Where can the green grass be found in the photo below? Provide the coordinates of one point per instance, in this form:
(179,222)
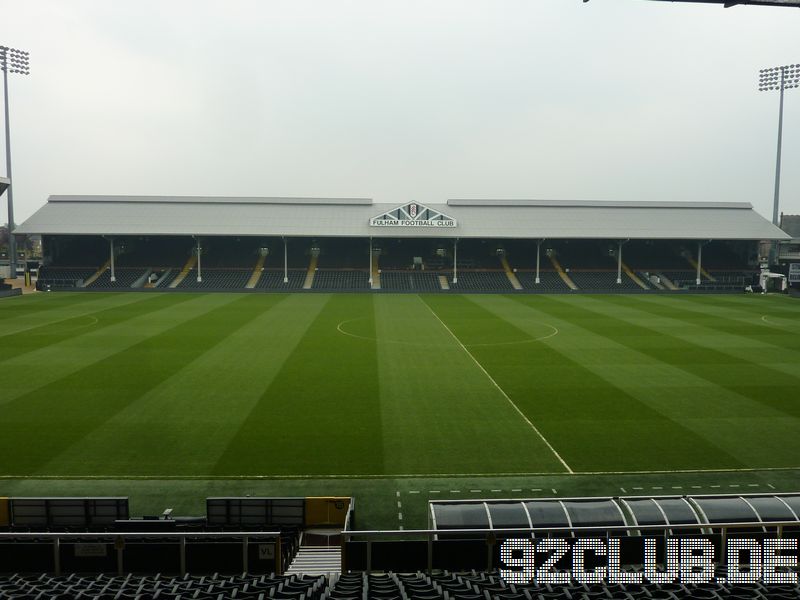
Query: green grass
(169,398)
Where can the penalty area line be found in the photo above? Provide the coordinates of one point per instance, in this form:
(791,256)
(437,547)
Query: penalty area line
(502,391)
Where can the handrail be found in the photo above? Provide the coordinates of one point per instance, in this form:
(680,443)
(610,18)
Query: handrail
(126,534)
(181,538)
(598,528)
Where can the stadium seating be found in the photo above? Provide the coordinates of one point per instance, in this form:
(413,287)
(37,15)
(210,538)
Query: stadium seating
(723,280)
(340,280)
(548,281)
(165,277)
(488,281)
(361,586)
(419,281)
(273,280)
(125,278)
(201,587)
(216,279)
(63,277)
(602,281)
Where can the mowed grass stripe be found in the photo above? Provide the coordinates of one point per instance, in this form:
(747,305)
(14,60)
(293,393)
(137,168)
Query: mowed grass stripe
(22,322)
(728,416)
(321,413)
(433,397)
(597,422)
(38,426)
(94,316)
(727,322)
(776,321)
(723,344)
(755,304)
(769,314)
(183,425)
(132,324)
(28,305)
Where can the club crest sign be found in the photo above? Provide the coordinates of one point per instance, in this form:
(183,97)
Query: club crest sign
(412,214)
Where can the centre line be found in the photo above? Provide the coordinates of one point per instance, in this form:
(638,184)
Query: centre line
(502,391)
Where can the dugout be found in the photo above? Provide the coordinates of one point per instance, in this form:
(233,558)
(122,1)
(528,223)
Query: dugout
(467,534)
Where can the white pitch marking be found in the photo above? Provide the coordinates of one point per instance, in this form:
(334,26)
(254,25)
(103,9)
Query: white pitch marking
(554,491)
(434,491)
(539,339)
(638,488)
(496,490)
(455,491)
(677,487)
(414,492)
(510,401)
(733,485)
(715,486)
(373,475)
(399,504)
(400,516)
(476,491)
(536,489)
(657,487)
(624,491)
(385,341)
(696,487)
(753,485)
(398,493)
(773,323)
(770,486)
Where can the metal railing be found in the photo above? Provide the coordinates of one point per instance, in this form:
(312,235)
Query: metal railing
(119,542)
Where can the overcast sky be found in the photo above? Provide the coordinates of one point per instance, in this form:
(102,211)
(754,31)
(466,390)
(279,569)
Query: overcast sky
(401,100)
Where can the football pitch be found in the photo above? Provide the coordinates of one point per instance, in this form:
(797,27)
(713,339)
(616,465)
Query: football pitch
(396,398)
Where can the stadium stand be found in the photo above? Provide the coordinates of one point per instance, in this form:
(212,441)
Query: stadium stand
(405,265)
(216,279)
(548,281)
(200,587)
(483,281)
(340,280)
(124,278)
(602,281)
(492,245)
(472,585)
(63,277)
(273,280)
(410,281)
(164,277)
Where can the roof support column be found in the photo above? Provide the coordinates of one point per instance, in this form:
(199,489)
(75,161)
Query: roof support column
(619,262)
(199,273)
(370,261)
(285,262)
(538,257)
(699,261)
(455,261)
(111,251)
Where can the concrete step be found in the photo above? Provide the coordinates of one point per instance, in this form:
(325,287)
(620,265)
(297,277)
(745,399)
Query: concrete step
(316,560)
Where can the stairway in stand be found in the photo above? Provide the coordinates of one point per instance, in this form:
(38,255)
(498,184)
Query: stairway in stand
(316,560)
